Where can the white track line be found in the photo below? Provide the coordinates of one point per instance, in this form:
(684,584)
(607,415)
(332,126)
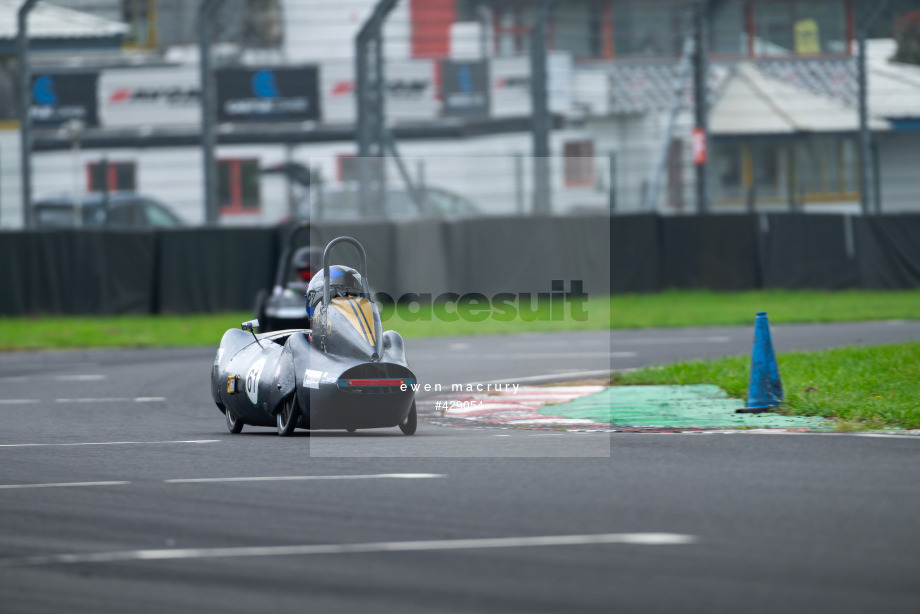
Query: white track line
(87,400)
(285,478)
(549,377)
(641,539)
(885,436)
(80,378)
(673,340)
(60,485)
(549,356)
(100,400)
(105,443)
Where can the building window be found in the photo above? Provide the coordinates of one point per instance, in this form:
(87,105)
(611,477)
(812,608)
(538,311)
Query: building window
(579,29)
(347,167)
(650,29)
(584,29)
(726,169)
(579,164)
(643,28)
(778,171)
(827,169)
(799,28)
(107,176)
(141,16)
(728,34)
(512,23)
(676,174)
(238,186)
(350,166)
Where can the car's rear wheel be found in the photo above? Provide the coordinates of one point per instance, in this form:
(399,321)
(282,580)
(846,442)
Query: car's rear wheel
(409,425)
(287,416)
(234,424)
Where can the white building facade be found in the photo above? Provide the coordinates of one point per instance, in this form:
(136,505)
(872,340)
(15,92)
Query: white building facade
(612,71)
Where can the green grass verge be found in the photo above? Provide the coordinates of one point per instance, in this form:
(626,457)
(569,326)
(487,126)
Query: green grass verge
(667,309)
(863,387)
(67,332)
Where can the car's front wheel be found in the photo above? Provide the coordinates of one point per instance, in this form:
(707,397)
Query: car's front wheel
(409,425)
(234,424)
(287,416)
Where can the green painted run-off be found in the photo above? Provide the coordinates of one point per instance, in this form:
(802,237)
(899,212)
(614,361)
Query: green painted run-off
(700,406)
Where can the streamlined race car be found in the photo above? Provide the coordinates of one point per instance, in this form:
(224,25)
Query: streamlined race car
(282,307)
(345,373)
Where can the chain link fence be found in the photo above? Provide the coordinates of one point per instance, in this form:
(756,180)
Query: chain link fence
(115,90)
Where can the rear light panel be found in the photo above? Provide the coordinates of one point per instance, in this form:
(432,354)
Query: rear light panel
(375,383)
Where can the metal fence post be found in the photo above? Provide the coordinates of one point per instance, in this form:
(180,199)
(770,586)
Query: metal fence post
(701,101)
(541,116)
(612,188)
(208,138)
(865,138)
(362,122)
(519,183)
(25,103)
(877,176)
(650,195)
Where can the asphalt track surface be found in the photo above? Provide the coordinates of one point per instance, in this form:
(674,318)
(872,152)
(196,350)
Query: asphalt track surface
(154,514)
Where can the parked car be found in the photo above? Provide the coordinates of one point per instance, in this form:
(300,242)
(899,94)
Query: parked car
(322,203)
(97,210)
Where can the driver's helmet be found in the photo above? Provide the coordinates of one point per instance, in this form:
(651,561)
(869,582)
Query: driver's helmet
(343,281)
(302,262)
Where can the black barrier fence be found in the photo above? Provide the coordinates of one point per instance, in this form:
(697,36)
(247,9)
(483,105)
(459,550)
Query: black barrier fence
(203,270)
(717,252)
(92,272)
(206,270)
(810,251)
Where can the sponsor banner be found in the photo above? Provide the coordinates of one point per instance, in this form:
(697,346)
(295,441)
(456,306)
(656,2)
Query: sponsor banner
(410,91)
(268,94)
(464,88)
(162,96)
(58,98)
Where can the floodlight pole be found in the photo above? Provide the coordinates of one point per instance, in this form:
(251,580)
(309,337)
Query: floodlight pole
(701,17)
(542,119)
(25,104)
(865,137)
(208,137)
(370,100)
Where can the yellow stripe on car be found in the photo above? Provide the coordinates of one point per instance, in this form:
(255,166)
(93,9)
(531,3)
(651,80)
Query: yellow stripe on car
(360,313)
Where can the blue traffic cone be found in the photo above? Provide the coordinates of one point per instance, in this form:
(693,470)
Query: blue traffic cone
(765,389)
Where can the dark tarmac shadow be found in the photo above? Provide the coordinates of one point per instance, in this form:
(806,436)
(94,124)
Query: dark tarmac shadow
(331,434)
